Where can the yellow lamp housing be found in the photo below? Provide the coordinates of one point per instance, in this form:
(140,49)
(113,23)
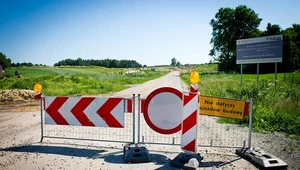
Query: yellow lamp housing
(37,87)
(194,77)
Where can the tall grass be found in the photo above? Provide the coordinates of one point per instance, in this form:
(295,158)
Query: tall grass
(76,81)
(274,108)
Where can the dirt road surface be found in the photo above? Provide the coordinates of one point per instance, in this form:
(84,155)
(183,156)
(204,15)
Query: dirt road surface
(20,146)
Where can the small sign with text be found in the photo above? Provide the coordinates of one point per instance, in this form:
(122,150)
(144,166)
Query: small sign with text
(221,107)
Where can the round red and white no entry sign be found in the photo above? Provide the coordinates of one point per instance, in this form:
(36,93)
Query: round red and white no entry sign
(163,110)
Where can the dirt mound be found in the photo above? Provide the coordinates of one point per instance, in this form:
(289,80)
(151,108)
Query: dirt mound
(16,95)
(18,100)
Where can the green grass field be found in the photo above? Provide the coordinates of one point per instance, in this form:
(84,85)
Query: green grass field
(75,80)
(274,108)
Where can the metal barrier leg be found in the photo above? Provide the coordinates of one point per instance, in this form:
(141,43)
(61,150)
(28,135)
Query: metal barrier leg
(134,152)
(42,129)
(250,124)
(133,117)
(139,117)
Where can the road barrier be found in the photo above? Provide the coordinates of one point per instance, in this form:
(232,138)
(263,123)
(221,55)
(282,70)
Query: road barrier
(88,118)
(159,119)
(210,132)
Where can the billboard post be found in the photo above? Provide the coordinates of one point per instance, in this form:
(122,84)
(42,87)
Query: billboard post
(275,78)
(241,82)
(257,72)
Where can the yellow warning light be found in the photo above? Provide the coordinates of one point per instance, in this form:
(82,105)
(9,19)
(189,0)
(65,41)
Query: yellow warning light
(37,87)
(194,77)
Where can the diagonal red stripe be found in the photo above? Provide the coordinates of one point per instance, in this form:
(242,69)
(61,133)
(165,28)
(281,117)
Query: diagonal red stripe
(191,146)
(129,105)
(53,112)
(187,99)
(105,112)
(189,122)
(78,109)
(246,110)
(143,106)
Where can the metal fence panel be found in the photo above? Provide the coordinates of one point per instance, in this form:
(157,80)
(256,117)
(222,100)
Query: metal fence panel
(148,136)
(91,133)
(212,133)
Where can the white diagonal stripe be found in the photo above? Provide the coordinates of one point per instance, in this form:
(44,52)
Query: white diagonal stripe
(190,107)
(118,112)
(48,101)
(91,112)
(65,111)
(189,136)
(48,119)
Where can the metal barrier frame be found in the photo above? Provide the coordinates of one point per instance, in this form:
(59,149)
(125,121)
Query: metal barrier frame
(86,139)
(141,138)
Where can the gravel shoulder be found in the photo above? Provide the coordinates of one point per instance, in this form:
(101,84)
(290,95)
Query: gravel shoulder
(20,147)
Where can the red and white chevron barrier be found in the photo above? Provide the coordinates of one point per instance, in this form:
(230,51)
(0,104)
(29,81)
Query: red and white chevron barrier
(86,111)
(189,123)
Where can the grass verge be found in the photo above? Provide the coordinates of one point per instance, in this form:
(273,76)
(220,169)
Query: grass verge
(274,108)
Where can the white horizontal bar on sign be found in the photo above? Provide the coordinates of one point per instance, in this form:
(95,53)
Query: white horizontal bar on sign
(259,39)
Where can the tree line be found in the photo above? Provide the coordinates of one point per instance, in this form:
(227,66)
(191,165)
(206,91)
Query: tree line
(109,63)
(5,62)
(25,64)
(242,22)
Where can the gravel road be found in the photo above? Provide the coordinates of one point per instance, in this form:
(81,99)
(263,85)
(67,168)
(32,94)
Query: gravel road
(20,147)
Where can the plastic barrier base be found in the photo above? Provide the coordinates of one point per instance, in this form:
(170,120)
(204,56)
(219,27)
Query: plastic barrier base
(187,161)
(261,159)
(135,153)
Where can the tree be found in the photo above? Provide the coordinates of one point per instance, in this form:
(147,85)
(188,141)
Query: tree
(272,30)
(4,61)
(228,26)
(173,62)
(291,48)
(178,64)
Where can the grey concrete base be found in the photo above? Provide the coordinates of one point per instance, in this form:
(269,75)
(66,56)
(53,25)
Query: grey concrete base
(135,153)
(261,159)
(187,161)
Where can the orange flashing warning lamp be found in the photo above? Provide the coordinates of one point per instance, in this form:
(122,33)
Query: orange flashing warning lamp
(194,77)
(37,87)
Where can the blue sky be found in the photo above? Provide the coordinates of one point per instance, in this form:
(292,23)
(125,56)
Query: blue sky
(150,32)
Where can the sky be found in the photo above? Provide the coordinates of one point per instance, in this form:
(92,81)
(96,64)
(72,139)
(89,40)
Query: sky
(151,32)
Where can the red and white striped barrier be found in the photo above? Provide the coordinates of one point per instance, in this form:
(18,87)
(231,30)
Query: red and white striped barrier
(86,111)
(190,122)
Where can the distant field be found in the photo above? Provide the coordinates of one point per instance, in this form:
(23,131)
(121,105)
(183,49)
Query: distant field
(76,80)
(274,109)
